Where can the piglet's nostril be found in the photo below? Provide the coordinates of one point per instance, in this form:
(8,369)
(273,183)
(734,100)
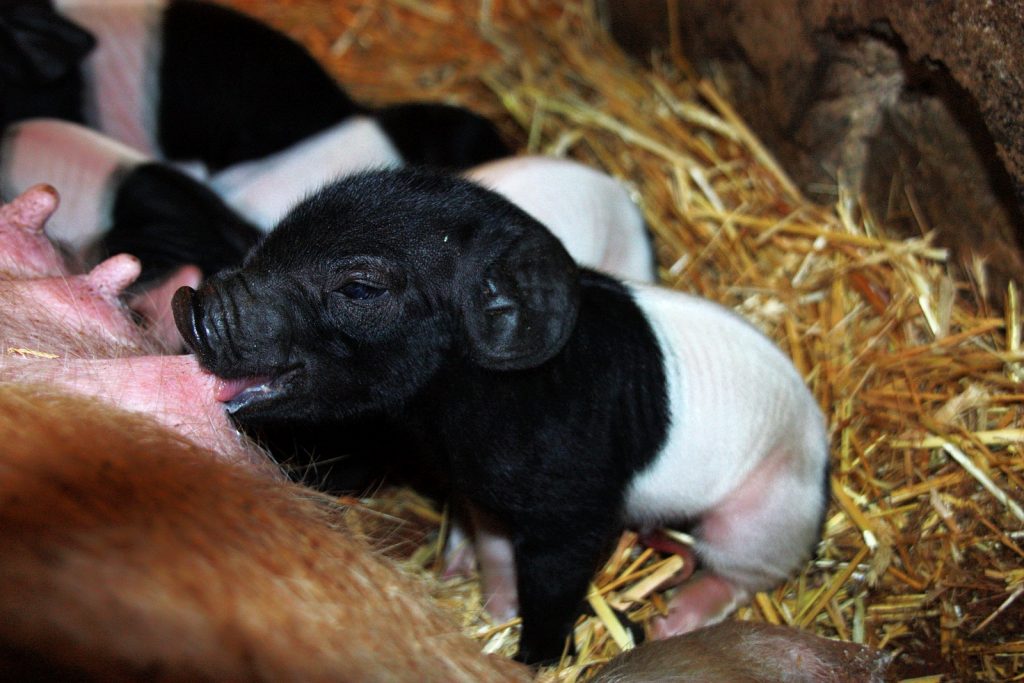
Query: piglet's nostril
(187,315)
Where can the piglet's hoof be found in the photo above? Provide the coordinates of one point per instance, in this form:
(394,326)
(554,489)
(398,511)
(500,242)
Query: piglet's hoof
(703,600)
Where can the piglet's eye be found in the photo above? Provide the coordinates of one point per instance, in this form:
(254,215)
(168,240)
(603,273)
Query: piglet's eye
(360,291)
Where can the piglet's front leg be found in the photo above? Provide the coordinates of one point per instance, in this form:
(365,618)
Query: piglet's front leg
(555,564)
(495,560)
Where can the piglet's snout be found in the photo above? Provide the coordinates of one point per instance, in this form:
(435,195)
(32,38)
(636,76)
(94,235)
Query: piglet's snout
(237,325)
(188,317)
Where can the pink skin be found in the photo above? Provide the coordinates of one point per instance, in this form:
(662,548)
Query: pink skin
(727,532)
(497,566)
(174,390)
(490,551)
(87,305)
(83,314)
(39,283)
(154,305)
(26,251)
(703,600)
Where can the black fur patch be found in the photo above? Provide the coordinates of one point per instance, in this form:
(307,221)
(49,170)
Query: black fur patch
(441,135)
(167,220)
(233,89)
(40,57)
(550,451)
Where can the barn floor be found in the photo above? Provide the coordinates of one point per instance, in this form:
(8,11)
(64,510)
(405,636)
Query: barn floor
(920,379)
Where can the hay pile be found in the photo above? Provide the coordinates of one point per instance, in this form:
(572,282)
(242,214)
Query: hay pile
(921,381)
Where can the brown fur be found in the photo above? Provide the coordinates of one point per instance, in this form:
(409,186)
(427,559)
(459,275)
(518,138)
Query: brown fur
(129,553)
(746,652)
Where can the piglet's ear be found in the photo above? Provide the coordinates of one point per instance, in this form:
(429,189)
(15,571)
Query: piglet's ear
(523,309)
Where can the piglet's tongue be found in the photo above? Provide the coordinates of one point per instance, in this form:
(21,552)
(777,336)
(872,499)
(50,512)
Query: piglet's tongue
(230,389)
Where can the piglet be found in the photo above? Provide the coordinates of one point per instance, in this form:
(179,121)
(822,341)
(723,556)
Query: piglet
(114,199)
(590,212)
(263,190)
(559,402)
(199,82)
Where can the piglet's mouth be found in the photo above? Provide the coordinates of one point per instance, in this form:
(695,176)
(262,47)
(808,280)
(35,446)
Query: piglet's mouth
(246,392)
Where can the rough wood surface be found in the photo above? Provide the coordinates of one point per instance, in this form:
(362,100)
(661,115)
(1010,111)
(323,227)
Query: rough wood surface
(915,104)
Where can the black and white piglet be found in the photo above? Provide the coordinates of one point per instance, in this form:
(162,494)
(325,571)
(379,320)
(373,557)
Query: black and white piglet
(590,212)
(561,403)
(190,80)
(114,199)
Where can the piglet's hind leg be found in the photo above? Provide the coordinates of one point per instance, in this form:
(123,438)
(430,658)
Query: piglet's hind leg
(751,541)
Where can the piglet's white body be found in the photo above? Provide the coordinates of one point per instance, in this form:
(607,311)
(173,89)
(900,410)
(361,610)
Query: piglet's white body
(746,448)
(265,189)
(733,398)
(590,212)
(70,156)
(122,68)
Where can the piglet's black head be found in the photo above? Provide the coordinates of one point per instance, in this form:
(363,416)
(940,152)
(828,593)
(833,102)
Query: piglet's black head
(372,286)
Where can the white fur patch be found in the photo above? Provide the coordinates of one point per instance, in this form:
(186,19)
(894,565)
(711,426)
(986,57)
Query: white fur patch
(733,399)
(264,190)
(123,68)
(590,212)
(78,162)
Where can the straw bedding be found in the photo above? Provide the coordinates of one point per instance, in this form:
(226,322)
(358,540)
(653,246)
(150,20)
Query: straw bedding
(920,379)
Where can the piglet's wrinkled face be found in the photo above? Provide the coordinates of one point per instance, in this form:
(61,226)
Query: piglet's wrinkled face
(336,333)
(323,335)
(366,289)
